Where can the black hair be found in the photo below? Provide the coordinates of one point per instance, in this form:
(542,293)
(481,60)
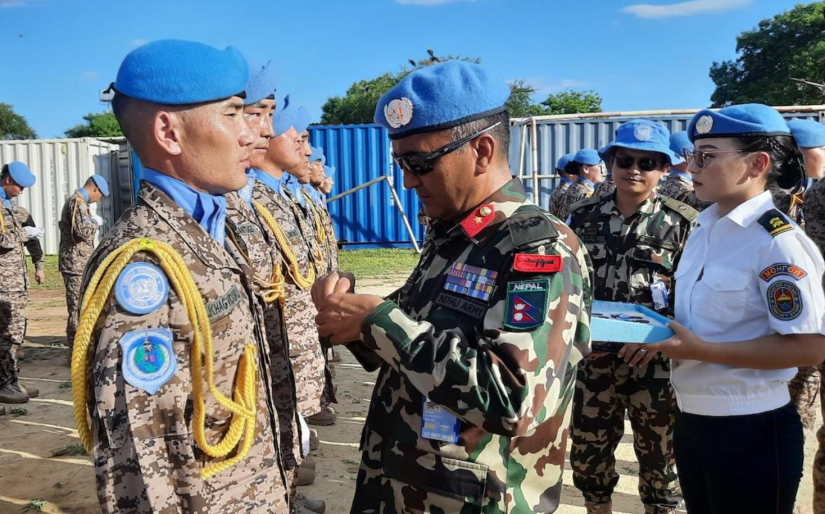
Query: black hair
(5,172)
(787,167)
(573,168)
(501,133)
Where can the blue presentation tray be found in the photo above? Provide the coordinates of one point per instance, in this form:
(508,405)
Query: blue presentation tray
(627,330)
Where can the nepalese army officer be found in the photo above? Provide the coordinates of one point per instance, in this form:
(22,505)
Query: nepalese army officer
(478,350)
(14,280)
(565,181)
(38,258)
(634,239)
(180,409)
(678,183)
(586,165)
(78,227)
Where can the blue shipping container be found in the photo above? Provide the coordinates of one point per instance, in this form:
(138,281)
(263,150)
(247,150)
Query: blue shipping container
(367,218)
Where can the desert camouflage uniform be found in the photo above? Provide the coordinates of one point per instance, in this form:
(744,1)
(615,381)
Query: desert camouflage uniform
(574,193)
(814,209)
(628,255)
(332,241)
(510,388)
(305,352)
(144,452)
(557,195)
(77,242)
(14,283)
(679,188)
(606,186)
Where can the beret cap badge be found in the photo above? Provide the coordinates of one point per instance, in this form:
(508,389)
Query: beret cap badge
(399,112)
(704,124)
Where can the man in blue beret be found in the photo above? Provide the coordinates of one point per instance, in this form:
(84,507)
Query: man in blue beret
(635,239)
(586,166)
(565,181)
(678,183)
(477,351)
(14,281)
(181,409)
(78,227)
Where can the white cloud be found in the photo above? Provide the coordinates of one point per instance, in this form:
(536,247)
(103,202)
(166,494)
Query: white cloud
(12,3)
(544,86)
(139,42)
(430,2)
(90,75)
(684,8)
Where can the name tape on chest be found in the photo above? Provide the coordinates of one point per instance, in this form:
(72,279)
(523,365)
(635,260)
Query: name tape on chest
(462,305)
(148,359)
(471,281)
(141,288)
(247,228)
(775,270)
(223,305)
(526,304)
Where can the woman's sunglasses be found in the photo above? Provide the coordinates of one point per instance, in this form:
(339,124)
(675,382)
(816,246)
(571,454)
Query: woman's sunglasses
(701,157)
(645,164)
(423,163)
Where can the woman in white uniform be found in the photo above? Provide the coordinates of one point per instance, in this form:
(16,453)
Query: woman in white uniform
(749,307)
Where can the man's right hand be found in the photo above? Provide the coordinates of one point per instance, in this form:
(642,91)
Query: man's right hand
(329,284)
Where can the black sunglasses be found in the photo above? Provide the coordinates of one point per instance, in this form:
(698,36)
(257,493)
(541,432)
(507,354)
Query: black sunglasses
(423,163)
(645,164)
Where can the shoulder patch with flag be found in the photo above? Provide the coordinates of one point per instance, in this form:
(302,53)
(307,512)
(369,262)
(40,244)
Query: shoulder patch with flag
(526,303)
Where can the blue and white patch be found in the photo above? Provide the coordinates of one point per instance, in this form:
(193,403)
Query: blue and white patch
(148,360)
(141,288)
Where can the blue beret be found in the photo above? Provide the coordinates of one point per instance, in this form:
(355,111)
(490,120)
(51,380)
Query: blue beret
(101,184)
(262,83)
(738,121)
(645,135)
(329,170)
(440,97)
(587,156)
(21,174)
(317,155)
(285,115)
(679,142)
(808,133)
(175,72)
(564,161)
(302,119)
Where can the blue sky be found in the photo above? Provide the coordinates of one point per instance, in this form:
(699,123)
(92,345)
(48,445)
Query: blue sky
(56,55)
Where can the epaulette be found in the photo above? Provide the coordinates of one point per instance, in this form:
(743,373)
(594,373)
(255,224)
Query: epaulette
(530,225)
(775,222)
(685,210)
(596,198)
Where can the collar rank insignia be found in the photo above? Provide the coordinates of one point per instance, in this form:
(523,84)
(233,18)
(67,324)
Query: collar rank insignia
(478,219)
(471,281)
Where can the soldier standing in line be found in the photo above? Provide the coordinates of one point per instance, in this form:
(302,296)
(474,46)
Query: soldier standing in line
(565,181)
(35,250)
(587,167)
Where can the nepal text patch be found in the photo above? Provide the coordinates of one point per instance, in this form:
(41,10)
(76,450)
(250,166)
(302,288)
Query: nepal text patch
(526,303)
(784,300)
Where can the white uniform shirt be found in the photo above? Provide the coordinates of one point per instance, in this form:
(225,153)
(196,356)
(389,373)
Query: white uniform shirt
(735,282)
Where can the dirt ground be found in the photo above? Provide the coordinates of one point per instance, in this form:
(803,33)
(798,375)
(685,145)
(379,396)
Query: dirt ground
(66,484)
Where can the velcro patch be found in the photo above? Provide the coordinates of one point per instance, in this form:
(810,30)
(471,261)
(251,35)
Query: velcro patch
(223,305)
(534,263)
(526,303)
(246,228)
(148,360)
(462,305)
(784,300)
(790,270)
(141,288)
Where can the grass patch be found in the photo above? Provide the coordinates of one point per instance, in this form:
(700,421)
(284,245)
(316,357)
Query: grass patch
(54,280)
(65,385)
(35,505)
(16,412)
(378,263)
(69,450)
(58,485)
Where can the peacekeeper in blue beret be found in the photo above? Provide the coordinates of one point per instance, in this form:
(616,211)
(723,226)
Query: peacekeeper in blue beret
(565,181)
(586,166)
(14,282)
(477,352)
(169,360)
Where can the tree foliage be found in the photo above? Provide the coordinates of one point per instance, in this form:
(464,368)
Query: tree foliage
(13,125)
(97,125)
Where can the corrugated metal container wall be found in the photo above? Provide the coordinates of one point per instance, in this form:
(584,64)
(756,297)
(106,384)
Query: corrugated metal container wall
(367,218)
(559,137)
(61,166)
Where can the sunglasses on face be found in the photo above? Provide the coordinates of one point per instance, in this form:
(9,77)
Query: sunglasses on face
(423,163)
(644,164)
(701,158)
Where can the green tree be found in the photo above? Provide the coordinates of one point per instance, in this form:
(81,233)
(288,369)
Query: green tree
(573,102)
(520,104)
(789,45)
(97,125)
(13,125)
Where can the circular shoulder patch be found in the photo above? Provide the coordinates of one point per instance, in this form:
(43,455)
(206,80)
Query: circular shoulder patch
(141,288)
(399,112)
(704,124)
(784,300)
(148,358)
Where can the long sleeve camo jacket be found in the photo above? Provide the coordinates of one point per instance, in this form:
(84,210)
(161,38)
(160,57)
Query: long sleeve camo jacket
(77,235)
(13,276)
(32,245)
(502,359)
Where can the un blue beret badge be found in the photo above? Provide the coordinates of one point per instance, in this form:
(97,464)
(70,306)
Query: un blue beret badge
(643,132)
(399,112)
(148,359)
(784,300)
(704,124)
(141,288)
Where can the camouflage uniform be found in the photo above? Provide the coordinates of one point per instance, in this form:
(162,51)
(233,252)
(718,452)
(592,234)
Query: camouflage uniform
(679,188)
(815,228)
(324,234)
(510,388)
(628,255)
(77,242)
(606,186)
(312,375)
(14,282)
(332,241)
(145,456)
(574,193)
(557,195)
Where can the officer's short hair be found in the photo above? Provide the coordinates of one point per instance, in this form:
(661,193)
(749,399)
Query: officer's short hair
(574,168)
(501,133)
(5,172)
(135,115)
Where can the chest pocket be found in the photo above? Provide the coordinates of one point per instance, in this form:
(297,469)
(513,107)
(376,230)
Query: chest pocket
(657,254)
(722,294)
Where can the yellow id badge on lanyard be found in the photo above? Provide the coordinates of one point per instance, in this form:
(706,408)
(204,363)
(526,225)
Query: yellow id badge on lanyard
(438,424)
